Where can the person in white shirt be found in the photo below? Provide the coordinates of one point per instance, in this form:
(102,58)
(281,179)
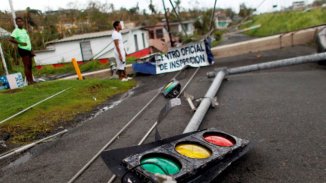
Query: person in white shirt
(119,51)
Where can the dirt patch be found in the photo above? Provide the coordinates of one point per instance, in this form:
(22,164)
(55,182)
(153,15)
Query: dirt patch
(12,91)
(95,88)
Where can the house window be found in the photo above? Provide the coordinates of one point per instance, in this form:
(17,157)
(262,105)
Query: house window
(144,43)
(159,33)
(151,34)
(136,42)
(186,27)
(86,50)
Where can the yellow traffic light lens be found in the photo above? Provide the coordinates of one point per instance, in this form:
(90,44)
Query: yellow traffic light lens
(194,151)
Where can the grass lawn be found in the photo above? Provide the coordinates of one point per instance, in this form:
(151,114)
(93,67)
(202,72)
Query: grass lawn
(66,69)
(49,70)
(48,116)
(280,22)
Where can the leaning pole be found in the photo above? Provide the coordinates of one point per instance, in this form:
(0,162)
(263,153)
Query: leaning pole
(219,75)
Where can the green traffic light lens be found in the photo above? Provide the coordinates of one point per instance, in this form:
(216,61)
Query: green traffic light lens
(161,164)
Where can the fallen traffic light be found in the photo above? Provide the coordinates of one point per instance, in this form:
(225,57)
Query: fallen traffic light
(172,89)
(196,157)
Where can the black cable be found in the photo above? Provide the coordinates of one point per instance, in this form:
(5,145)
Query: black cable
(178,17)
(247,17)
(156,164)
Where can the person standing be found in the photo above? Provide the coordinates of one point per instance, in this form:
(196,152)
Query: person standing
(119,51)
(21,38)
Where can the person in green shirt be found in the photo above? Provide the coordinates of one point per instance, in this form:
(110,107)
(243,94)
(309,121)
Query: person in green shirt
(21,38)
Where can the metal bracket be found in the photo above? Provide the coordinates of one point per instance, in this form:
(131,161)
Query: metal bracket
(164,179)
(190,99)
(214,102)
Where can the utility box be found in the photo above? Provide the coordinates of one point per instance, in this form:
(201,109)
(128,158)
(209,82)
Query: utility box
(3,83)
(15,80)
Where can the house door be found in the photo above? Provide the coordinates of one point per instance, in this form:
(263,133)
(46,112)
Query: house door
(86,50)
(136,42)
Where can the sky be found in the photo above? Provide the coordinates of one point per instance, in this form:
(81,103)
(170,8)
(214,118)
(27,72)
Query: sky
(45,5)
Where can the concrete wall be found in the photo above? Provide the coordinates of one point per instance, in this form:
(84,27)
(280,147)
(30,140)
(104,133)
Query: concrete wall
(65,51)
(267,43)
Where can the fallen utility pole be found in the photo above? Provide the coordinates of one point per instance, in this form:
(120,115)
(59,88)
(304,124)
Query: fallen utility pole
(219,75)
(278,63)
(273,64)
(206,102)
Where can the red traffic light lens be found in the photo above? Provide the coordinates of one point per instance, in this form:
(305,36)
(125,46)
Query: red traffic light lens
(220,140)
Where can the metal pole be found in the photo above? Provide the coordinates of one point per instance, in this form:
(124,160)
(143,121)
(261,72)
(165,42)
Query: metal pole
(278,63)
(274,64)
(213,15)
(199,115)
(168,24)
(3,60)
(13,13)
(177,14)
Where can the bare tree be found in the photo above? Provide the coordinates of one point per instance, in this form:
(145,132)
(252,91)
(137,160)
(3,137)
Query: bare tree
(177,5)
(152,7)
(111,7)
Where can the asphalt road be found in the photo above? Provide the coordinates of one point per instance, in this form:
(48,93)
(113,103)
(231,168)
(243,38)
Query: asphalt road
(281,111)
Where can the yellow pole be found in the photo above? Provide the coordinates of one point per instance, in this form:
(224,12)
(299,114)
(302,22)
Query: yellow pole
(74,62)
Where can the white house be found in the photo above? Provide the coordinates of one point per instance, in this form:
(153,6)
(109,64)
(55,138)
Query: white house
(97,45)
(296,5)
(159,36)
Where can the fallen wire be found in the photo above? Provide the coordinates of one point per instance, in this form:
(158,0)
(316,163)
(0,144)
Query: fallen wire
(30,107)
(91,161)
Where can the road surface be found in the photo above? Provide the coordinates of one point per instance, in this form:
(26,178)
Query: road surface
(281,111)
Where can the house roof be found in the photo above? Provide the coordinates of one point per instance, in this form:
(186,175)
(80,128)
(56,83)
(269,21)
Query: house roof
(4,33)
(162,24)
(89,36)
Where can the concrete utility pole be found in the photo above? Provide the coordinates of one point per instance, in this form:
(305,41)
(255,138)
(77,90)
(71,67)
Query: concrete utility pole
(13,13)
(178,16)
(213,17)
(219,75)
(168,24)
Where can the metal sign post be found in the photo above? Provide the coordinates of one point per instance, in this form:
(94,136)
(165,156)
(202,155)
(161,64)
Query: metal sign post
(13,13)
(3,61)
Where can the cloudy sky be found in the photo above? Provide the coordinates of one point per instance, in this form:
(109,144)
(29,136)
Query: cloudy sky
(234,4)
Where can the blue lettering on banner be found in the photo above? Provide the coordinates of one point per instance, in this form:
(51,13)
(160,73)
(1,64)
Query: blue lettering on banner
(193,54)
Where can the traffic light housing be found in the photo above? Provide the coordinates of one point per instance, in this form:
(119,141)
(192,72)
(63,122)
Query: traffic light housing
(198,157)
(172,89)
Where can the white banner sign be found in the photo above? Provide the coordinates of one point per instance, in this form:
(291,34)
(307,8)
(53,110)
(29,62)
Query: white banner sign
(193,55)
